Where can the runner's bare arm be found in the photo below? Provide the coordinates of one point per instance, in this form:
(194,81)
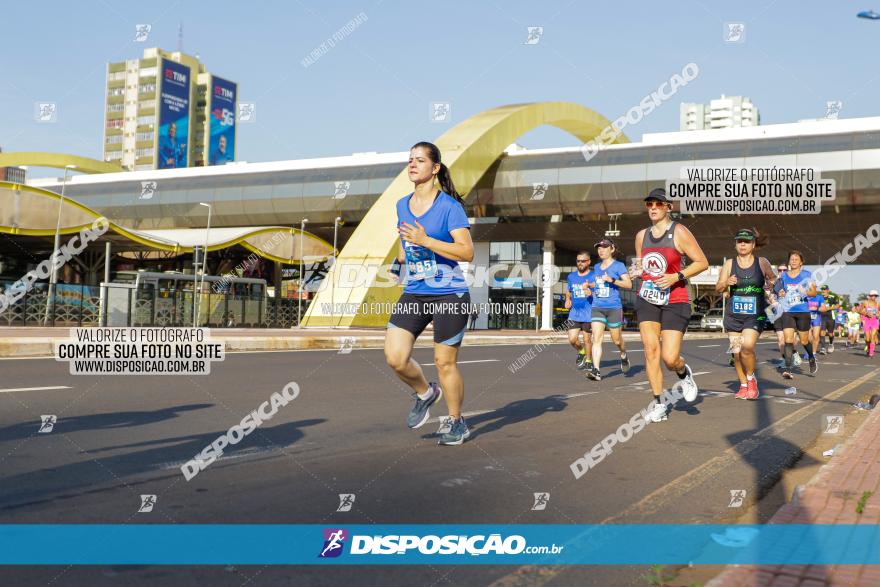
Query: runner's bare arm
(767,269)
(686,244)
(723,276)
(401,254)
(624,281)
(639,238)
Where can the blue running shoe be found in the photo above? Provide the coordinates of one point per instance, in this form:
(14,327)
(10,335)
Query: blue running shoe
(457,434)
(418,415)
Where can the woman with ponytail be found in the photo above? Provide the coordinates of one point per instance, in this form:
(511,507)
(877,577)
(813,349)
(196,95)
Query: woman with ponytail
(434,237)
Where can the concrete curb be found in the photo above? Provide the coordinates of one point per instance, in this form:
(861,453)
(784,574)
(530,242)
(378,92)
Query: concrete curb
(34,347)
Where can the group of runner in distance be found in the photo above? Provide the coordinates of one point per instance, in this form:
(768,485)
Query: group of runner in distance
(435,236)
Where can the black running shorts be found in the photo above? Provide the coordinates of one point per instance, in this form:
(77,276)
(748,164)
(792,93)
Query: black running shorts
(740,322)
(800,321)
(448,312)
(670,316)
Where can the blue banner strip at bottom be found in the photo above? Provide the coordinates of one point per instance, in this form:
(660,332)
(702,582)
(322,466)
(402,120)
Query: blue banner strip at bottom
(261,544)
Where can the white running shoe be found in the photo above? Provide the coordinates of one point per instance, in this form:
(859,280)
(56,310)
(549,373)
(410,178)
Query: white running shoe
(688,386)
(797,359)
(445,425)
(657,413)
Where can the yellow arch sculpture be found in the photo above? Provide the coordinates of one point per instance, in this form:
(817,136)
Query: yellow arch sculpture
(58,160)
(469,149)
(31,211)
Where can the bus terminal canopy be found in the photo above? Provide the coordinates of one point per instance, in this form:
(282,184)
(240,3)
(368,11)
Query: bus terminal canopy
(30,211)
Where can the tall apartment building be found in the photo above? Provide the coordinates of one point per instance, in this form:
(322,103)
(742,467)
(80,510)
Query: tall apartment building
(724,112)
(166,110)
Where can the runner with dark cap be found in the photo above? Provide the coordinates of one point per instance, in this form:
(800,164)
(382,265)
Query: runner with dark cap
(610,275)
(832,306)
(663,306)
(747,279)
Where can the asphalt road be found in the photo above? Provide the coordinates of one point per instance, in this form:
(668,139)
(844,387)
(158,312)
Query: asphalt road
(119,437)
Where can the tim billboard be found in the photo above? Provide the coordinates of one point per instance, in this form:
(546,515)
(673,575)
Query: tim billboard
(173,115)
(221,140)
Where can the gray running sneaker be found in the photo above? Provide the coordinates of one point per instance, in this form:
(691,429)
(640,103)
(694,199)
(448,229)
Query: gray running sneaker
(445,425)
(418,415)
(457,434)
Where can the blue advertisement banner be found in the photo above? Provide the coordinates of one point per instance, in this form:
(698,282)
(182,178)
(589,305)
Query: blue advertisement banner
(221,142)
(251,544)
(173,115)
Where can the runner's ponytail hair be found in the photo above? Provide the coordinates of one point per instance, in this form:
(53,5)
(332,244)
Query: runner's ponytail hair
(443,176)
(761,240)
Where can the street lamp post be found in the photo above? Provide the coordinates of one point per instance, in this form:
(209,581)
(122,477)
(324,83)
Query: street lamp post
(53,277)
(302,232)
(336,224)
(197,295)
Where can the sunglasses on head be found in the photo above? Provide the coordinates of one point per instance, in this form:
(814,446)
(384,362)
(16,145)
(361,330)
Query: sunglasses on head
(654,204)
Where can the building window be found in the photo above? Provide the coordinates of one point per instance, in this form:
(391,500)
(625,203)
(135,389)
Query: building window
(144,152)
(116,92)
(147,88)
(114,139)
(147,104)
(116,107)
(144,136)
(115,123)
(149,119)
(148,71)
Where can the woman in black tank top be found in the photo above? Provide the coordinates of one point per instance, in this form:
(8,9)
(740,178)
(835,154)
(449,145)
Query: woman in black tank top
(745,281)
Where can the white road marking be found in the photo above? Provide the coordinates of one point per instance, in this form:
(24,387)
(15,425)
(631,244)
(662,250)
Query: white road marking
(12,389)
(707,346)
(474,361)
(571,395)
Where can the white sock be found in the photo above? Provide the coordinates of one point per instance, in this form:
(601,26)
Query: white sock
(428,393)
(750,376)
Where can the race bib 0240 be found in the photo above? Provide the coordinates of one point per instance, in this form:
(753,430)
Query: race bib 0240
(653,294)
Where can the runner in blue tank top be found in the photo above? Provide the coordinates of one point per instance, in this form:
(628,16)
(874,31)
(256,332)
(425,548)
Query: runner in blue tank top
(434,237)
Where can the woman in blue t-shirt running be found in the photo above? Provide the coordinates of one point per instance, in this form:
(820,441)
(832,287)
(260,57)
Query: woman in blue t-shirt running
(434,237)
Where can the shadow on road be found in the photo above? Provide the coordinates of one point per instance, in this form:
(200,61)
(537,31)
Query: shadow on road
(72,478)
(515,412)
(105,421)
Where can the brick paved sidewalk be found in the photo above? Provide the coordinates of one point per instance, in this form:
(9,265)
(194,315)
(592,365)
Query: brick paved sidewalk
(830,497)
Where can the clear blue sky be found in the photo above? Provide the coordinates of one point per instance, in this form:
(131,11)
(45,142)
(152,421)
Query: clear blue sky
(372,91)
